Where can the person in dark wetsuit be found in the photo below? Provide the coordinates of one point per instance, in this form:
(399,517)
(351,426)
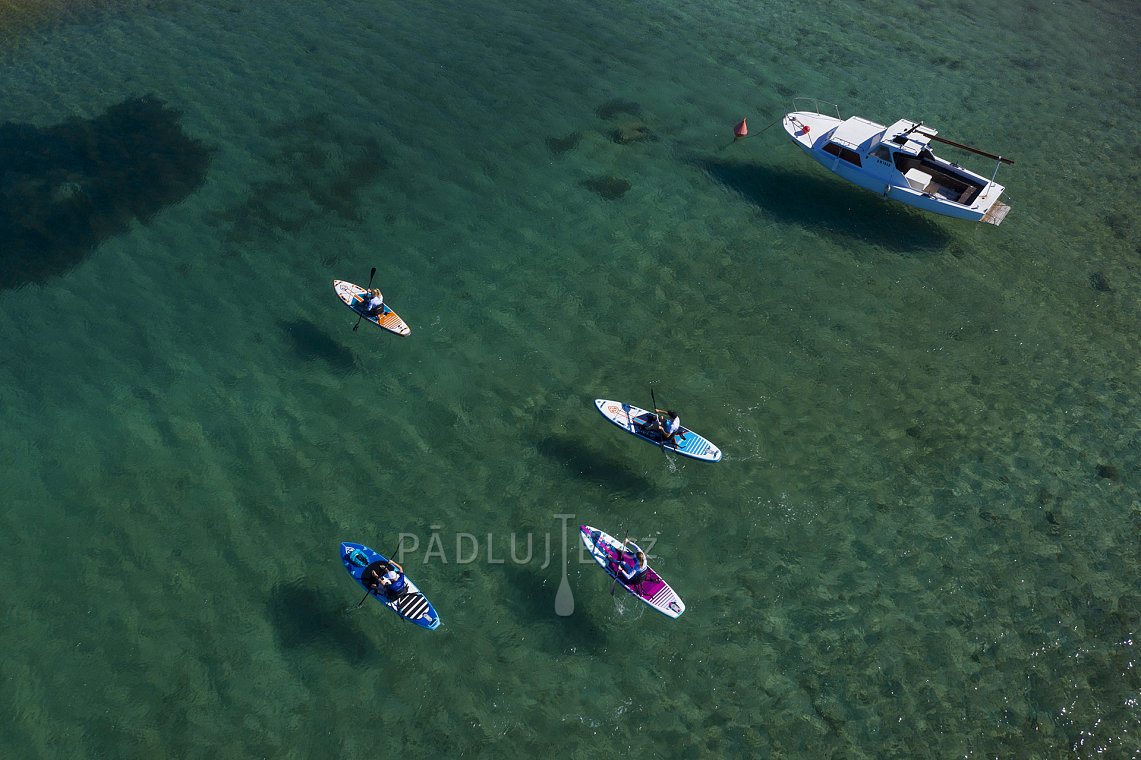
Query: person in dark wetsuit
(668,428)
(371,578)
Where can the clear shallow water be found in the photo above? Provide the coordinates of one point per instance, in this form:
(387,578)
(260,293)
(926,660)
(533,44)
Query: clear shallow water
(908,544)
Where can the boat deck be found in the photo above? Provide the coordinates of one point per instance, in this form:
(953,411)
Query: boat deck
(927,176)
(996,214)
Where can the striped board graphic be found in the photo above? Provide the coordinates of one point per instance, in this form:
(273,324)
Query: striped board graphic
(412,605)
(353,296)
(650,587)
(634,420)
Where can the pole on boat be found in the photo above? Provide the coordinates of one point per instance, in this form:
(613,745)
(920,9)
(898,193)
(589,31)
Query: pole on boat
(1000,159)
(997,164)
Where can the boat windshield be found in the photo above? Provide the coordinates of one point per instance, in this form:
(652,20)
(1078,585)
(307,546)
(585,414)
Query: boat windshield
(850,156)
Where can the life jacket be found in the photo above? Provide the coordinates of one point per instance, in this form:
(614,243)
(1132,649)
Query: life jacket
(396,582)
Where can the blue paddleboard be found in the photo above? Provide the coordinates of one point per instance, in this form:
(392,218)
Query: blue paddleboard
(412,605)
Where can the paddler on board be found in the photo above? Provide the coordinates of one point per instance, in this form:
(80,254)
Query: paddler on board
(632,563)
(374,304)
(392,580)
(385,579)
(667,424)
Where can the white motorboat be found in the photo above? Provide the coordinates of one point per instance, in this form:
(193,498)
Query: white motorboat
(897,162)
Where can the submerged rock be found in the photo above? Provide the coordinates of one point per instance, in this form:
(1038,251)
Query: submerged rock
(632,131)
(560,145)
(1098,282)
(612,108)
(610,188)
(70,186)
(1107,471)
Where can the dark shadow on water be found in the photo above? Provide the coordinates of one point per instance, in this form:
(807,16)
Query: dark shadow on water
(303,617)
(829,204)
(531,598)
(322,172)
(593,466)
(66,188)
(313,343)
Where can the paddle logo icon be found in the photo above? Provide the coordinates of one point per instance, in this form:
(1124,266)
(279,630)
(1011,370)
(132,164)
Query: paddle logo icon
(564,598)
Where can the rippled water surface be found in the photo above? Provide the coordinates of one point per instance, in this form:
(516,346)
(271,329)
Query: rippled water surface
(923,534)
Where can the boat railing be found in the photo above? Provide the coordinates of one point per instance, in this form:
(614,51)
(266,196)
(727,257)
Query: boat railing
(817,105)
(854,147)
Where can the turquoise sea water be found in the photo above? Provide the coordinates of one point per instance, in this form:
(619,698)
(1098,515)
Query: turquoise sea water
(923,539)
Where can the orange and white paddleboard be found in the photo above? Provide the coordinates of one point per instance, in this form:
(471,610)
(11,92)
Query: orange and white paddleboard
(353,296)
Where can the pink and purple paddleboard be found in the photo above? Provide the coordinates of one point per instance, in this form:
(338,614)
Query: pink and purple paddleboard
(610,553)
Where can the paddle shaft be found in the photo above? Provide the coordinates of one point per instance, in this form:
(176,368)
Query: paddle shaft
(618,567)
(661,443)
(358,324)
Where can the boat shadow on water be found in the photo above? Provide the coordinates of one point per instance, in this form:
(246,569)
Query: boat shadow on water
(829,205)
(588,465)
(303,618)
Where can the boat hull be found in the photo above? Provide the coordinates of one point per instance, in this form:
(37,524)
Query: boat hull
(931,183)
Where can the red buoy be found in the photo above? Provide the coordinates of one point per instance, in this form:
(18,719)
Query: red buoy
(741,130)
(805,126)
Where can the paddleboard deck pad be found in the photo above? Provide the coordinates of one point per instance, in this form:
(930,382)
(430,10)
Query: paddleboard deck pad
(353,296)
(635,420)
(412,605)
(649,587)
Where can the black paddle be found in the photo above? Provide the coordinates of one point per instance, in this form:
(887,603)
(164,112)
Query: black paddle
(358,324)
(618,566)
(662,442)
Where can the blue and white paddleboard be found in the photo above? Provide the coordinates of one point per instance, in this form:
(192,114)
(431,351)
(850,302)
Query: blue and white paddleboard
(635,420)
(412,605)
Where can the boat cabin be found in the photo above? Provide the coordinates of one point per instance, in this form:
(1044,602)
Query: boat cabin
(883,151)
